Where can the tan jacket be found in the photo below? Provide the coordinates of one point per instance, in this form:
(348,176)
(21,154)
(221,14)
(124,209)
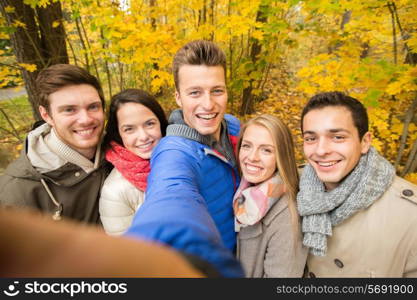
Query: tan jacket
(380,241)
(266,249)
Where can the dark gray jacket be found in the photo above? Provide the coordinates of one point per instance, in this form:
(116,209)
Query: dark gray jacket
(67,191)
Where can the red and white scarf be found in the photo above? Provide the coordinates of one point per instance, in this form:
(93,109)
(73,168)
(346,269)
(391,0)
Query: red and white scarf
(252,202)
(132,167)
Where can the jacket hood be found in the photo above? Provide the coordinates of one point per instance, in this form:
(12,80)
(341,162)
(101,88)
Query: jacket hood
(22,167)
(45,156)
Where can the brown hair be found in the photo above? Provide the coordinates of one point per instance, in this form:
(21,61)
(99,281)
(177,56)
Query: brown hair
(339,99)
(131,96)
(198,52)
(286,164)
(58,76)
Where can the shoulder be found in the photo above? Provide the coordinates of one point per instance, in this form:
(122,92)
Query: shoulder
(279,212)
(176,143)
(18,190)
(176,149)
(21,168)
(114,178)
(403,190)
(118,188)
(115,183)
(233,124)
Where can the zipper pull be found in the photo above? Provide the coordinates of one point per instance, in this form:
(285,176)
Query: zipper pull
(57,214)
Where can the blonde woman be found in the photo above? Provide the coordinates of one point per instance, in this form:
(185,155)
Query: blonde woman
(269,238)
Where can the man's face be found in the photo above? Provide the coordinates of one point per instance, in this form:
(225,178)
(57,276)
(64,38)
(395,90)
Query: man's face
(202,96)
(76,114)
(331,143)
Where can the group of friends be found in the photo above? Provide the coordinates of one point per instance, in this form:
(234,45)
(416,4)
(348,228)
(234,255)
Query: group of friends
(230,200)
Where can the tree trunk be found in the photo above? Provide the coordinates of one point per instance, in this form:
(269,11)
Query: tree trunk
(37,42)
(53,45)
(247,105)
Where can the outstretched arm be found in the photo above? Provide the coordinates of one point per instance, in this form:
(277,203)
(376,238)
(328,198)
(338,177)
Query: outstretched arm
(35,246)
(175,213)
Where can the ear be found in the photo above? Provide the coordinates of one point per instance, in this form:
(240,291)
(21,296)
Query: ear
(366,142)
(45,115)
(178,98)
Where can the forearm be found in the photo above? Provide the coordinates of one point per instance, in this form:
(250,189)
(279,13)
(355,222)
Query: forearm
(34,246)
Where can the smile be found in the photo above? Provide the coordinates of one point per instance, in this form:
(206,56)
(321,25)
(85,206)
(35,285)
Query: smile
(85,132)
(145,146)
(252,168)
(327,163)
(207,116)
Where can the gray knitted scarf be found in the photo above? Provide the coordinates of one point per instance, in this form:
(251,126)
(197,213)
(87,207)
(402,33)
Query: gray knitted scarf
(321,210)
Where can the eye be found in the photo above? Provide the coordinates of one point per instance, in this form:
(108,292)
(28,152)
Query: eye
(69,109)
(95,106)
(309,139)
(339,138)
(267,151)
(245,146)
(218,91)
(127,129)
(150,123)
(194,93)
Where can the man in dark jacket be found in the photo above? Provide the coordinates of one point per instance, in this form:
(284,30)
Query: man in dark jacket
(60,170)
(188,202)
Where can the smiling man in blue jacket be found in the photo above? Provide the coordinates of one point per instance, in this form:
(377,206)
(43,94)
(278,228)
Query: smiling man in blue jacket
(188,202)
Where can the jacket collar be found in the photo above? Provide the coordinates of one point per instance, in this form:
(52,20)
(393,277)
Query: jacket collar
(178,127)
(258,228)
(47,152)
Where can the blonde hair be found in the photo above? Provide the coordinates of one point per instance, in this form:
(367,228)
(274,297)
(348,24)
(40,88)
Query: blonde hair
(282,140)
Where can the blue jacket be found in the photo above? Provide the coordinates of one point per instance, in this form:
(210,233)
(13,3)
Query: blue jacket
(188,203)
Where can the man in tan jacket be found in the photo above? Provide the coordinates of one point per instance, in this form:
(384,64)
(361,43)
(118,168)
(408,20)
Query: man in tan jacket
(359,218)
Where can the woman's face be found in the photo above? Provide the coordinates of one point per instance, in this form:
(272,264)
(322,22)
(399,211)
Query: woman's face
(139,129)
(257,155)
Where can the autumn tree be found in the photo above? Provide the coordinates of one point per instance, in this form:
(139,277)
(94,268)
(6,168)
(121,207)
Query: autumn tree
(373,61)
(37,37)
(279,53)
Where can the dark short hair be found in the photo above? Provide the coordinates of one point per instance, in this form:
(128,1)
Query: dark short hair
(357,110)
(198,52)
(130,96)
(58,76)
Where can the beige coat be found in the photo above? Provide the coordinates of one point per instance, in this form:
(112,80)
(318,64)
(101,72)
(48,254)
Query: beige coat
(266,249)
(380,241)
(119,202)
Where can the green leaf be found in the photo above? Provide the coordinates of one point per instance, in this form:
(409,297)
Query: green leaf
(372,96)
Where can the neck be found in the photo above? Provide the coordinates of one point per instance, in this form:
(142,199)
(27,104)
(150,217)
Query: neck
(88,153)
(328,186)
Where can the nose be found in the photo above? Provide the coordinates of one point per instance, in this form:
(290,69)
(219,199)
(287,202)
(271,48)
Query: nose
(84,117)
(142,135)
(207,102)
(253,155)
(322,147)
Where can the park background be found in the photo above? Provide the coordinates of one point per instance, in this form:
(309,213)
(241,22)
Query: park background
(279,54)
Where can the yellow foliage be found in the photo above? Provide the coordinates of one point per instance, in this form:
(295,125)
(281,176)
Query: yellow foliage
(29,67)
(304,50)
(377,144)
(412,177)
(9,9)
(18,23)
